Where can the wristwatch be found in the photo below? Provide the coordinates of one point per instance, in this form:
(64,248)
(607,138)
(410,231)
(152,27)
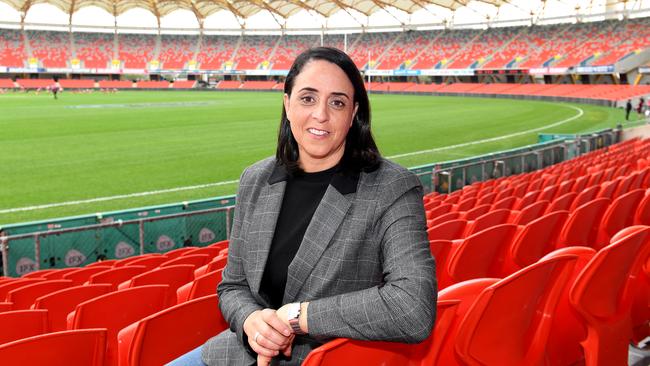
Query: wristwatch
(293,316)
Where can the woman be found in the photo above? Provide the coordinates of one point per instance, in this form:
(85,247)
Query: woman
(327,232)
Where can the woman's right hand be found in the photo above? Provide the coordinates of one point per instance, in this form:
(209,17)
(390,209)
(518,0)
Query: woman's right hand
(274,335)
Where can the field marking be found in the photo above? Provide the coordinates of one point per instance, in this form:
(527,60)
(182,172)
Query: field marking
(492,139)
(208,185)
(121,196)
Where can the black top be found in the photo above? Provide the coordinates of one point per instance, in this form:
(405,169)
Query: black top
(302,196)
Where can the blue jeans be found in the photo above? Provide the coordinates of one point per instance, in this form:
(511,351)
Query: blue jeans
(192,358)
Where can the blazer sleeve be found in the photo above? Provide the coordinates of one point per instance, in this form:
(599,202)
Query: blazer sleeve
(403,307)
(235,298)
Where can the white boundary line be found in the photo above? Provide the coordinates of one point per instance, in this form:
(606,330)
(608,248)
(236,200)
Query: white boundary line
(208,185)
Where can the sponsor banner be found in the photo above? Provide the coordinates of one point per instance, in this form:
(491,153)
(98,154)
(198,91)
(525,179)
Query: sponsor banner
(103,71)
(4,69)
(58,70)
(558,70)
(257,72)
(643,70)
(379,72)
(538,71)
(406,72)
(448,72)
(595,69)
(279,72)
(502,72)
(23,69)
(133,71)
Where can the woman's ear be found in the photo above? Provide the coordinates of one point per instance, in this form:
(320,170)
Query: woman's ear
(285,100)
(354,113)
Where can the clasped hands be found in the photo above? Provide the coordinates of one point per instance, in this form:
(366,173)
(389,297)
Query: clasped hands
(269,334)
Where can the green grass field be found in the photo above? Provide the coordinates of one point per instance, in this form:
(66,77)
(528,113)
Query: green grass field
(88,146)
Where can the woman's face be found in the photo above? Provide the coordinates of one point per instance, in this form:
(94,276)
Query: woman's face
(320,110)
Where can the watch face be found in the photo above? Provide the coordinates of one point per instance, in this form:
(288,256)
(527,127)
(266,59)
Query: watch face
(293,311)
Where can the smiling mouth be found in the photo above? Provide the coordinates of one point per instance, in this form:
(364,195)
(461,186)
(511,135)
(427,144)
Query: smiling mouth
(317,132)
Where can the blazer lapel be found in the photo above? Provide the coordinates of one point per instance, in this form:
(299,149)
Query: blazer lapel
(263,224)
(324,224)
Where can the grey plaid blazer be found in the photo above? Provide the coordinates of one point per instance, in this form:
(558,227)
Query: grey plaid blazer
(364,263)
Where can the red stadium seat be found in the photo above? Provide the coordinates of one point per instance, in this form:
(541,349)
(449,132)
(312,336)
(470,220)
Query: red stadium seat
(562,203)
(104,263)
(506,203)
(476,212)
(19,324)
(197,260)
(481,255)
(154,340)
(619,214)
(175,253)
(598,296)
(149,262)
(6,287)
(116,310)
(217,263)
(115,276)
(5,306)
(127,261)
(449,230)
(59,273)
(24,297)
(39,273)
(584,196)
(519,309)
(490,219)
(642,214)
(61,303)
(79,347)
(581,227)
(529,213)
(173,276)
(536,239)
(464,293)
(210,251)
(204,285)
(80,276)
(220,244)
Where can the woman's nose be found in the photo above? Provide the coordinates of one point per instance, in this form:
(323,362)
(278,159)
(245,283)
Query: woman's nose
(320,112)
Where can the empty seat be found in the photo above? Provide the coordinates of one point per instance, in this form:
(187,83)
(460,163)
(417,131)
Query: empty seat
(12,285)
(149,262)
(19,324)
(5,306)
(202,286)
(490,219)
(39,273)
(155,339)
(507,203)
(443,218)
(519,309)
(116,310)
(174,253)
(536,239)
(115,276)
(24,297)
(60,303)
(173,276)
(479,255)
(619,214)
(210,251)
(599,297)
(78,347)
(581,228)
(59,273)
(104,263)
(562,203)
(529,213)
(584,196)
(217,263)
(449,230)
(81,275)
(476,212)
(197,260)
(127,261)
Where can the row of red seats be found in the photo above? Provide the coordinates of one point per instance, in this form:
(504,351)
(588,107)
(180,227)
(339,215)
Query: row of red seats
(133,299)
(574,306)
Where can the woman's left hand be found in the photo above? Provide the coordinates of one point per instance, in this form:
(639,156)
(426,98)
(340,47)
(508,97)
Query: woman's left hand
(265,361)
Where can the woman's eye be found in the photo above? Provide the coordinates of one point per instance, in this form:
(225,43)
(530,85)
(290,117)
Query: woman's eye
(307,99)
(338,103)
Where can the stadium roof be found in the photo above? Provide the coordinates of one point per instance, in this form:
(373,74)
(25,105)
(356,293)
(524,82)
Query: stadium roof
(247,8)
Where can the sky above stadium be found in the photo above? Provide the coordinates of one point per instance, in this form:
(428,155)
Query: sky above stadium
(474,12)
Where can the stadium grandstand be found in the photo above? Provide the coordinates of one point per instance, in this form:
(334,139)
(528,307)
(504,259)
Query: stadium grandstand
(117,199)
